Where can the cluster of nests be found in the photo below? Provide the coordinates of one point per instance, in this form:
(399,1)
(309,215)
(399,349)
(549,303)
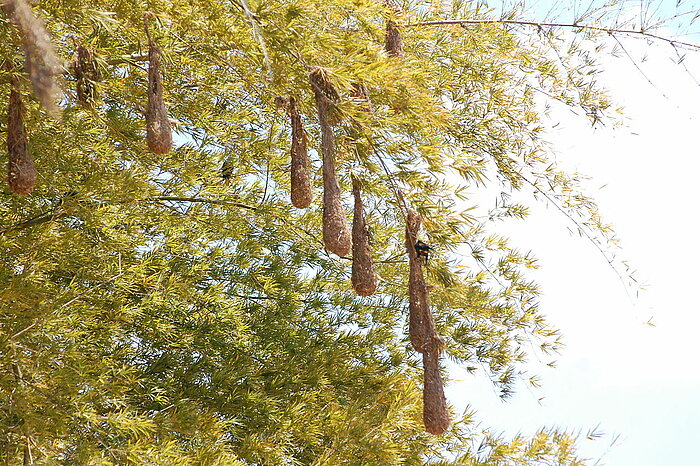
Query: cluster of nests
(339,240)
(43,68)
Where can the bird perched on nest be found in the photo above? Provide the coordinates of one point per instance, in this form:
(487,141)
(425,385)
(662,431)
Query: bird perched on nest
(423,250)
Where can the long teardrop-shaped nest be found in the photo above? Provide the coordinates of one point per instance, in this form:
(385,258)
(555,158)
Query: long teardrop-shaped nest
(393,42)
(21,173)
(364,278)
(87,74)
(423,335)
(301,192)
(336,234)
(158,131)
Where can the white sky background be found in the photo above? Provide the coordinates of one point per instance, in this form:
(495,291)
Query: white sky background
(631,379)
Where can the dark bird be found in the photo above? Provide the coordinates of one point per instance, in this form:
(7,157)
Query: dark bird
(422,250)
(227,170)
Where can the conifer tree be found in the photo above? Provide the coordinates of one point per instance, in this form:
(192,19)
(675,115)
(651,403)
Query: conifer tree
(153,312)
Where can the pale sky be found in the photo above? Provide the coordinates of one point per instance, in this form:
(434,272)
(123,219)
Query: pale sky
(616,372)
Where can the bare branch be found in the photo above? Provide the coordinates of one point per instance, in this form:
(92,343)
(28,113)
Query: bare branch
(611,31)
(201,200)
(641,71)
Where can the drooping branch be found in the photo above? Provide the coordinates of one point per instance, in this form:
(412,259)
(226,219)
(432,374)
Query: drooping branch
(612,31)
(59,213)
(201,200)
(38,220)
(253,20)
(580,227)
(639,69)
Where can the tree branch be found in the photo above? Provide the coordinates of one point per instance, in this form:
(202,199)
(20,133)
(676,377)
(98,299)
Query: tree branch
(128,59)
(42,218)
(201,200)
(56,214)
(611,31)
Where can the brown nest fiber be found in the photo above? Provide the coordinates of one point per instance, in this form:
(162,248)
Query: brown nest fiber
(361,94)
(336,235)
(300,171)
(436,417)
(21,173)
(423,335)
(322,86)
(421,327)
(393,42)
(158,131)
(87,74)
(364,278)
(41,61)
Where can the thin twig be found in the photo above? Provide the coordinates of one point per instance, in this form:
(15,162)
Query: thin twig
(581,229)
(612,31)
(129,59)
(42,218)
(253,20)
(681,60)
(394,185)
(201,200)
(638,67)
(57,214)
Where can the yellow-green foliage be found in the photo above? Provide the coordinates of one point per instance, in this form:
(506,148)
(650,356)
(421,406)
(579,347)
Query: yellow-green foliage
(151,313)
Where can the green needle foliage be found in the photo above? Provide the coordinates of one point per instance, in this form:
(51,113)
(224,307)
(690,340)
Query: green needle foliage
(156,310)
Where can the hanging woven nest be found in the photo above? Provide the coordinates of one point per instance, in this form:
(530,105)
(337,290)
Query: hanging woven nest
(336,235)
(21,173)
(158,131)
(423,335)
(87,74)
(393,43)
(421,327)
(364,278)
(41,61)
(301,192)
